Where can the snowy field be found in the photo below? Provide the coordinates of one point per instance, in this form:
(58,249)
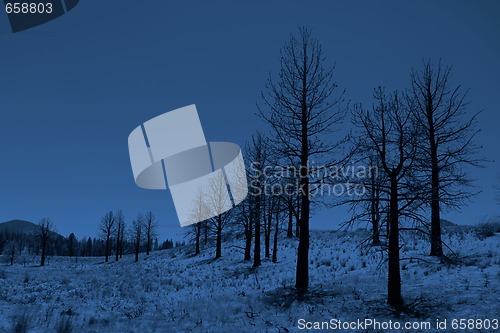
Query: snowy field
(172,291)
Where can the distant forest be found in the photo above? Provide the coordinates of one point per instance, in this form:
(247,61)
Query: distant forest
(27,242)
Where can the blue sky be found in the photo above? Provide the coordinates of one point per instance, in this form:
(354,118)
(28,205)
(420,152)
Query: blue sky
(73,89)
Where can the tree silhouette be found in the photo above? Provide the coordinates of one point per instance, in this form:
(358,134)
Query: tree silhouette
(301,110)
(120,226)
(447,143)
(216,204)
(137,230)
(45,229)
(106,229)
(389,131)
(150,226)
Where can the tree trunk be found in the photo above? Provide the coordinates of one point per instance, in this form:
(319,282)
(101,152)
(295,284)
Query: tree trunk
(275,240)
(198,234)
(297,219)
(302,273)
(248,240)
(394,298)
(205,240)
(375,215)
(107,249)
(256,250)
(136,252)
(289,231)
(44,245)
(148,245)
(267,232)
(117,254)
(121,247)
(436,244)
(218,250)
(376,234)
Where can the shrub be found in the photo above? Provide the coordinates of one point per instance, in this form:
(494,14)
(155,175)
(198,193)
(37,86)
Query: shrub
(487,229)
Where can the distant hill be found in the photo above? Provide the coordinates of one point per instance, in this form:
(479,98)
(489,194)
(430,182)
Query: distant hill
(22,227)
(19,227)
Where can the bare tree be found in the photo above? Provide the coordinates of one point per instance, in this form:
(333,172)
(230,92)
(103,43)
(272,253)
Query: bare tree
(268,211)
(273,209)
(137,232)
(106,229)
(216,204)
(122,238)
(301,108)
(45,230)
(448,144)
(197,231)
(257,159)
(368,205)
(389,131)
(206,228)
(245,210)
(120,226)
(150,226)
(374,201)
(281,209)
(197,215)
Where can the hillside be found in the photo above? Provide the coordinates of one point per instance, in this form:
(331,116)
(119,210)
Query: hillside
(23,227)
(19,226)
(173,291)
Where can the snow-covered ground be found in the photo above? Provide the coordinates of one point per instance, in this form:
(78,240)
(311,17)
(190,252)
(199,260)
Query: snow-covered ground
(173,291)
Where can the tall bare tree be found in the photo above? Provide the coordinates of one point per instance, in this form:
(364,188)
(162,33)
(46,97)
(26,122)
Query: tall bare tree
(119,232)
(448,144)
(369,204)
(197,232)
(106,229)
(389,131)
(375,199)
(257,160)
(197,215)
(245,210)
(45,229)
(137,231)
(216,204)
(302,109)
(281,209)
(150,226)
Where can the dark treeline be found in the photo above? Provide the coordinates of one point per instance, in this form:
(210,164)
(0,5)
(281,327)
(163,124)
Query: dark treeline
(14,245)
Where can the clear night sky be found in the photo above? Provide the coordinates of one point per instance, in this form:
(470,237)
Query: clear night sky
(73,89)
